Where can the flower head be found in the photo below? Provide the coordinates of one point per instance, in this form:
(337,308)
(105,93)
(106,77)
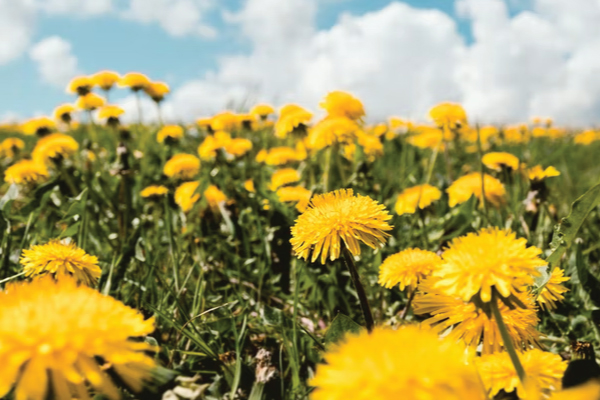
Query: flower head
(469,185)
(169,132)
(292,118)
(90,102)
(407,268)
(186,196)
(80,85)
(586,137)
(56,145)
(26,171)
(298,194)
(10,146)
(331,131)
(38,126)
(214,197)
(182,166)
(587,391)
(283,177)
(56,333)
(427,137)
(421,196)
(339,216)
(154,191)
(409,363)
(448,115)
(63,113)
(225,121)
(61,259)
(249,185)
(105,80)
(157,91)
(282,155)
(544,371)
(492,258)
(111,114)
(342,104)
(135,81)
(537,173)
(498,160)
(553,291)
(262,110)
(238,147)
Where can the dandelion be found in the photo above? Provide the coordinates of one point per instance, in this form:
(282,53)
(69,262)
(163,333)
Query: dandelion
(59,337)
(111,114)
(53,147)
(331,131)
(80,85)
(186,196)
(26,172)
(335,217)
(292,119)
(63,113)
(157,91)
(283,177)
(208,148)
(182,166)
(61,259)
(499,160)
(262,110)
(105,80)
(282,155)
(225,121)
(407,268)
(469,185)
(238,147)
(409,363)
(448,116)
(372,146)
(586,137)
(427,137)
(538,174)
(553,291)
(90,102)
(40,126)
(515,134)
(421,196)
(544,372)
(214,197)
(342,104)
(298,194)
(249,185)
(169,134)
(587,391)
(154,191)
(135,81)
(205,123)
(11,146)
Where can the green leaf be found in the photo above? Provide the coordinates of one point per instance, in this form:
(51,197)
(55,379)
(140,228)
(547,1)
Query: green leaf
(564,233)
(588,282)
(340,325)
(11,194)
(70,231)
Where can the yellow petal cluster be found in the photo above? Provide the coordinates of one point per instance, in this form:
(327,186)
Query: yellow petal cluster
(154,191)
(283,177)
(298,194)
(469,185)
(420,196)
(186,196)
(182,166)
(10,146)
(26,172)
(498,160)
(407,268)
(342,104)
(54,146)
(553,291)
(171,132)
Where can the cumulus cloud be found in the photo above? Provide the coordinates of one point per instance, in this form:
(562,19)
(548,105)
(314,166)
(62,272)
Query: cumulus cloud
(17,25)
(75,7)
(55,62)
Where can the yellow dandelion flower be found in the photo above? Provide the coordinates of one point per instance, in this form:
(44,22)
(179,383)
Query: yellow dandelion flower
(469,185)
(63,113)
(186,196)
(472,325)
(281,155)
(342,104)
(515,134)
(11,146)
(448,115)
(492,258)
(154,191)
(408,363)
(135,81)
(553,291)
(339,216)
(59,336)
(587,391)
(537,173)
(54,146)
(262,110)
(378,130)
(249,185)
(80,85)
(111,114)
(225,121)
(423,195)
(157,91)
(61,259)
(90,102)
(407,268)
(208,148)
(214,196)
(427,137)
(586,137)
(38,126)
(261,156)
(105,80)
(204,123)
(238,147)
(543,369)
(26,171)
(497,160)
(182,166)
(372,146)
(331,131)
(169,133)
(283,177)
(292,118)
(298,194)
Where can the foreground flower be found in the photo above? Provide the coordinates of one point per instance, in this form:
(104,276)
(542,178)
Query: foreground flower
(469,185)
(105,80)
(11,146)
(26,171)
(63,113)
(587,391)
(186,196)
(342,104)
(448,115)
(135,81)
(499,160)
(80,85)
(154,191)
(182,166)
(39,126)
(410,363)
(537,173)
(407,268)
(297,194)
(421,195)
(169,133)
(59,337)
(544,371)
(283,177)
(492,258)
(292,118)
(335,217)
(61,259)
(54,146)
(90,102)
(553,291)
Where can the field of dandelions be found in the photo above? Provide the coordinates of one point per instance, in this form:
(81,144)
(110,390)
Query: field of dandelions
(289,253)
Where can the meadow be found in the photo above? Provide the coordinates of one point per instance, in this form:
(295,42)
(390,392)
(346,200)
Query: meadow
(275,254)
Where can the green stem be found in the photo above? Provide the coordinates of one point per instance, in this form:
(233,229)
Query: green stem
(139,106)
(506,339)
(411,297)
(360,290)
(172,247)
(327,170)
(481,171)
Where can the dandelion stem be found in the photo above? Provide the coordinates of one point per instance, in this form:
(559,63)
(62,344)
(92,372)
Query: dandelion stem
(360,290)
(12,277)
(327,169)
(139,106)
(481,171)
(506,339)
(411,297)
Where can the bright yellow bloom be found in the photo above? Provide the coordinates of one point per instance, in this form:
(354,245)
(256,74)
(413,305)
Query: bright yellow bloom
(63,113)
(90,102)
(331,131)
(427,137)
(249,185)
(214,196)
(407,268)
(10,146)
(296,194)
(26,171)
(498,160)
(339,216)
(492,258)
(423,195)
(208,148)
(515,134)
(182,166)
(469,185)
(169,132)
(111,114)
(544,371)
(60,335)
(342,104)
(61,259)
(471,324)
(154,191)
(448,115)
(283,177)
(553,291)
(588,391)
(56,145)
(238,147)
(186,196)
(372,146)
(38,126)
(204,122)
(282,155)
(537,173)
(80,85)
(105,80)
(157,91)
(587,137)
(291,118)
(225,121)
(409,363)
(262,110)
(135,81)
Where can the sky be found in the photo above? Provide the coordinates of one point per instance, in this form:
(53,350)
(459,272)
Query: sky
(504,60)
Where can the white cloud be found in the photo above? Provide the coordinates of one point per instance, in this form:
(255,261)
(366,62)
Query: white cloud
(75,7)
(17,25)
(177,17)
(149,110)
(55,62)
